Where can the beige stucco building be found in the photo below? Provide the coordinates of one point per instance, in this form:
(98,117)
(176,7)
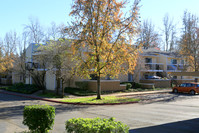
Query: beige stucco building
(152,62)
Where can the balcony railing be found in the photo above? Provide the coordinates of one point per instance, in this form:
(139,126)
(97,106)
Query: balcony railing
(152,67)
(175,67)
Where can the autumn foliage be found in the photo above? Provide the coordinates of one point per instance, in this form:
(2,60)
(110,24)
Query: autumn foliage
(103,37)
(6,61)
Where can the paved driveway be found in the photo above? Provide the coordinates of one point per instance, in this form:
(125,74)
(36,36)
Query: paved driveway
(178,114)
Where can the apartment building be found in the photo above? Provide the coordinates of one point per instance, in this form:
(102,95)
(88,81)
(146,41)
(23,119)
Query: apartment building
(32,52)
(154,63)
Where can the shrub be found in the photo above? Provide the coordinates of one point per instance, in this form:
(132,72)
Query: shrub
(78,92)
(39,118)
(23,88)
(82,84)
(128,85)
(96,125)
(137,85)
(19,85)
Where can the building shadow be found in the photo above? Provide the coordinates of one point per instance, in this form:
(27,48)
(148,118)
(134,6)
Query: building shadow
(187,126)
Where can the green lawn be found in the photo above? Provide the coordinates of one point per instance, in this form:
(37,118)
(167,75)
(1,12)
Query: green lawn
(79,92)
(106,99)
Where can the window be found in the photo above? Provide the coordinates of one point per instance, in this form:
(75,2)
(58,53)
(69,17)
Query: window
(182,62)
(148,60)
(183,85)
(173,61)
(189,85)
(130,77)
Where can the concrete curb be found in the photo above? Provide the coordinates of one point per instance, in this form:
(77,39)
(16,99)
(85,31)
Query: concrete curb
(44,99)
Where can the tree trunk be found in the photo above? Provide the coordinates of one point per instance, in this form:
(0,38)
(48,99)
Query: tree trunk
(58,86)
(69,80)
(43,82)
(98,87)
(62,88)
(58,81)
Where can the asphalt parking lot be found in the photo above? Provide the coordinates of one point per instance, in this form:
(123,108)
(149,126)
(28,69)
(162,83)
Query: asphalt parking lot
(156,113)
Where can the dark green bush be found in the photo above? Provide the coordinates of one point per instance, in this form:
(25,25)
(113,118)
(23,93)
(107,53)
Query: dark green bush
(96,125)
(128,85)
(82,84)
(137,85)
(131,82)
(78,91)
(19,85)
(39,118)
(23,88)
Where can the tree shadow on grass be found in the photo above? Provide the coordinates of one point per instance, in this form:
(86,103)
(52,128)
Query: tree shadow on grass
(187,126)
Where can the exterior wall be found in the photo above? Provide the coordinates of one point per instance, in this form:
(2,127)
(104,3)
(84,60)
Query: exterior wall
(50,81)
(29,53)
(163,59)
(16,78)
(6,81)
(28,80)
(122,77)
(106,85)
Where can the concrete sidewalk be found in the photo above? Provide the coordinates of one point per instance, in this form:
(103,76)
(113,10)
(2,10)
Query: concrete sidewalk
(140,93)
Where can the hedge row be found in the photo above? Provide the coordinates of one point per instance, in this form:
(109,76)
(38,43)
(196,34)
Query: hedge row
(22,88)
(96,125)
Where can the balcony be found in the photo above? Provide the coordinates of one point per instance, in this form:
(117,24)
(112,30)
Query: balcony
(175,67)
(152,67)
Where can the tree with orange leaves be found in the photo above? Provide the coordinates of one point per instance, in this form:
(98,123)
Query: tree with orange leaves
(103,38)
(7,52)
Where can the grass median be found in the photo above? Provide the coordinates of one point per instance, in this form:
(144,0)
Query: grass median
(105,99)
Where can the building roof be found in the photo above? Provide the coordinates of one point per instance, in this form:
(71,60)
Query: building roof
(156,51)
(35,46)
